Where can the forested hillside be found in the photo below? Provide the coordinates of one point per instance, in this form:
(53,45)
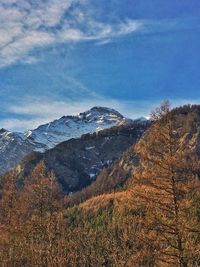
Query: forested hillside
(149,216)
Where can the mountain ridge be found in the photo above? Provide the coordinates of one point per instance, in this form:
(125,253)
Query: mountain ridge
(77,162)
(14,146)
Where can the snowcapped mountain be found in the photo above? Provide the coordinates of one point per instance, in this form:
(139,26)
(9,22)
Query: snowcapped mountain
(98,118)
(15,146)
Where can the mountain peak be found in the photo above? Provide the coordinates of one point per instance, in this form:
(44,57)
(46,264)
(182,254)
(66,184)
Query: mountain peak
(99,111)
(105,110)
(97,118)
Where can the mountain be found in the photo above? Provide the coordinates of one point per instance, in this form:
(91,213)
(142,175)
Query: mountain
(98,118)
(77,162)
(15,146)
(110,179)
(129,217)
(186,120)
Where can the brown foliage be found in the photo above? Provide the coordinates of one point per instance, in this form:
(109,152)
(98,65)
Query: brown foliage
(154,222)
(164,184)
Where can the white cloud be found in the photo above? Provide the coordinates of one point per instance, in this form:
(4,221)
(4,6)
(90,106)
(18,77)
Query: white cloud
(130,26)
(48,13)
(21,124)
(21,47)
(99,32)
(25,25)
(45,108)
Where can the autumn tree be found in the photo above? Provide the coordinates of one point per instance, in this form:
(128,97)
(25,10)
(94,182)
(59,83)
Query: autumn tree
(32,220)
(165,184)
(41,207)
(9,220)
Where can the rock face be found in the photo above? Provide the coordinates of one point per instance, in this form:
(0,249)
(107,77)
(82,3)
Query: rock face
(15,146)
(77,162)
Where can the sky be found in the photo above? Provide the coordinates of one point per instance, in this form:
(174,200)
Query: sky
(62,57)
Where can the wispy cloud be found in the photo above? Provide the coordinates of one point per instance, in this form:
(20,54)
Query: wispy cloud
(25,25)
(20,125)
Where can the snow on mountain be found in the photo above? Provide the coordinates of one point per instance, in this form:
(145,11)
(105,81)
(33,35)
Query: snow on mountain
(14,146)
(98,118)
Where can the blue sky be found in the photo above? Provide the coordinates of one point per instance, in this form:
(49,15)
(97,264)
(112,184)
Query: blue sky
(60,57)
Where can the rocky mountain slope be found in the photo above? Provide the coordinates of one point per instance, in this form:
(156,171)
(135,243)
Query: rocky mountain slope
(110,179)
(77,162)
(186,121)
(15,146)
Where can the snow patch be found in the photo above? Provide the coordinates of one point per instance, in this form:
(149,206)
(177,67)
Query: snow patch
(89,147)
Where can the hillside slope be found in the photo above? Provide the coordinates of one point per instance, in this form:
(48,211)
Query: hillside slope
(77,162)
